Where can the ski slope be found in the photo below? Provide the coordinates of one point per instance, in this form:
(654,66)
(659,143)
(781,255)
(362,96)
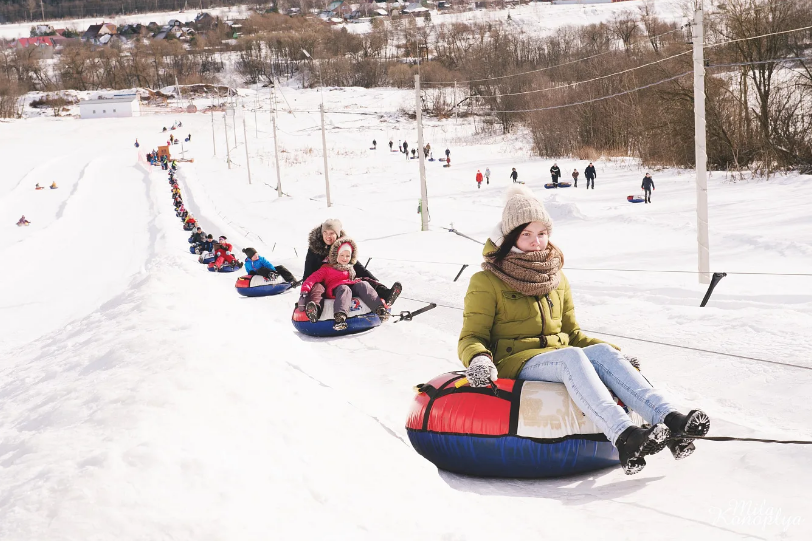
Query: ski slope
(144,399)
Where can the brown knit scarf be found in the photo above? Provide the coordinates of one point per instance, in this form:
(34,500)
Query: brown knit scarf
(531,273)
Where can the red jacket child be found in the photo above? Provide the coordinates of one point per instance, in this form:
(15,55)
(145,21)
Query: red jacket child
(478,177)
(222,252)
(333,274)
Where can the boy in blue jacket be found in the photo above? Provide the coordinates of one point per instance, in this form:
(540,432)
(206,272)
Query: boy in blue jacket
(256,264)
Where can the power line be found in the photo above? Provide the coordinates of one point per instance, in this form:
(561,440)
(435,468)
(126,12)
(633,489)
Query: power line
(571,85)
(757,37)
(597,99)
(549,67)
(777,60)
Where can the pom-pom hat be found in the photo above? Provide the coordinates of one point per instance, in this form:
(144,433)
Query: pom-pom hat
(521,207)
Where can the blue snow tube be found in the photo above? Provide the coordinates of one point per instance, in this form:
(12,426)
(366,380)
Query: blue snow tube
(206,258)
(523,429)
(190,239)
(225,268)
(193,249)
(258,286)
(360,318)
(633,199)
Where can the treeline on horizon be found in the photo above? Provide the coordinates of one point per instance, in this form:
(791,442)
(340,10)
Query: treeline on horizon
(18,11)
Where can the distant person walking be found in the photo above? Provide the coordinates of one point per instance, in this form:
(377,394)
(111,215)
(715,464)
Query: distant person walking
(478,179)
(374,144)
(487,175)
(648,186)
(590,175)
(555,172)
(575,176)
(390,145)
(447,153)
(514,175)
(406,149)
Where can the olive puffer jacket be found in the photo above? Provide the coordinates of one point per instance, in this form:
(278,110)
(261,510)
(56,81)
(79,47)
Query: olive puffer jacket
(513,327)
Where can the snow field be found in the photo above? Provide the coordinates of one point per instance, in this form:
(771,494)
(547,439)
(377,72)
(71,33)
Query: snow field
(146,399)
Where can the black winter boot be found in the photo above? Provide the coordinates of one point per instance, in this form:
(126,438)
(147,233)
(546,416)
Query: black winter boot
(312,310)
(393,294)
(340,321)
(696,423)
(636,442)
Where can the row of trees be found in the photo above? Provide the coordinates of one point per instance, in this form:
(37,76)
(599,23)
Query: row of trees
(579,91)
(45,10)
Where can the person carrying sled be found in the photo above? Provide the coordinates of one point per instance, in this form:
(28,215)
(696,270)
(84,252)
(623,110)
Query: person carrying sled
(340,283)
(256,264)
(519,323)
(478,179)
(23,221)
(647,186)
(590,175)
(514,175)
(487,175)
(575,176)
(222,254)
(555,172)
(320,241)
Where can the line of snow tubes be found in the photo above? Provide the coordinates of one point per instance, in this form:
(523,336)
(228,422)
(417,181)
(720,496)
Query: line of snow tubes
(521,429)
(635,199)
(258,286)
(550,185)
(359,319)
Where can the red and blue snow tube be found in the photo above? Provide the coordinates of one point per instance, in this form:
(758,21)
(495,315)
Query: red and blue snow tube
(359,319)
(520,429)
(258,286)
(635,199)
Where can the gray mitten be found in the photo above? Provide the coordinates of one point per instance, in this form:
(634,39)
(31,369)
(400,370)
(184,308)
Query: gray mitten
(481,371)
(632,361)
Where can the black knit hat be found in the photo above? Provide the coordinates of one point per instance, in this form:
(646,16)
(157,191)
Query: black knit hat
(249,252)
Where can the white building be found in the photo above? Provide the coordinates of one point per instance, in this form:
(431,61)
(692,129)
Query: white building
(115,107)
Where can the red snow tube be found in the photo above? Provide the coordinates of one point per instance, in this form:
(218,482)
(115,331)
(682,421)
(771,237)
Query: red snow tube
(522,429)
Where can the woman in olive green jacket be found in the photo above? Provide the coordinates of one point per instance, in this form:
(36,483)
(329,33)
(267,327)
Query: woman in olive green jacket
(519,322)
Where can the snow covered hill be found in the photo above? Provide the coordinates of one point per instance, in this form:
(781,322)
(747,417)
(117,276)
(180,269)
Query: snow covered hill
(142,398)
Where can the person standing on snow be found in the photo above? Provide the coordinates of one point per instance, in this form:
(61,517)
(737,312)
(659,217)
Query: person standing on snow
(374,144)
(514,175)
(575,176)
(478,179)
(535,337)
(390,145)
(648,186)
(256,264)
(590,175)
(487,175)
(447,153)
(406,149)
(555,172)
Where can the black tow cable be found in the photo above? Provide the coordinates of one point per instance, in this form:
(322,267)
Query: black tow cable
(407,315)
(759,440)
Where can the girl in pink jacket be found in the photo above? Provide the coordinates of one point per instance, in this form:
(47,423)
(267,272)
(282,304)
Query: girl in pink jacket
(340,284)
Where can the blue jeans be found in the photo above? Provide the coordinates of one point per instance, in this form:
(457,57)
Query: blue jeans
(587,372)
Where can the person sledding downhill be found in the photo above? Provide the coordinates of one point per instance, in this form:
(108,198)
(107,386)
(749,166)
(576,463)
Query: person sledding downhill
(223,255)
(22,221)
(255,264)
(198,236)
(340,283)
(319,241)
(519,323)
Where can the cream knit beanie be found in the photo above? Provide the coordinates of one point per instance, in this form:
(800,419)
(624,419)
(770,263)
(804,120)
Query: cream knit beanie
(332,224)
(523,207)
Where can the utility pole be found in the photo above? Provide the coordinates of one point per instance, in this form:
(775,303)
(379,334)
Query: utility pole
(700,143)
(247,159)
(324,147)
(225,128)
(455,102)
(424,203)
(234,126)
(43,10)
(276,153)
(213,140)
